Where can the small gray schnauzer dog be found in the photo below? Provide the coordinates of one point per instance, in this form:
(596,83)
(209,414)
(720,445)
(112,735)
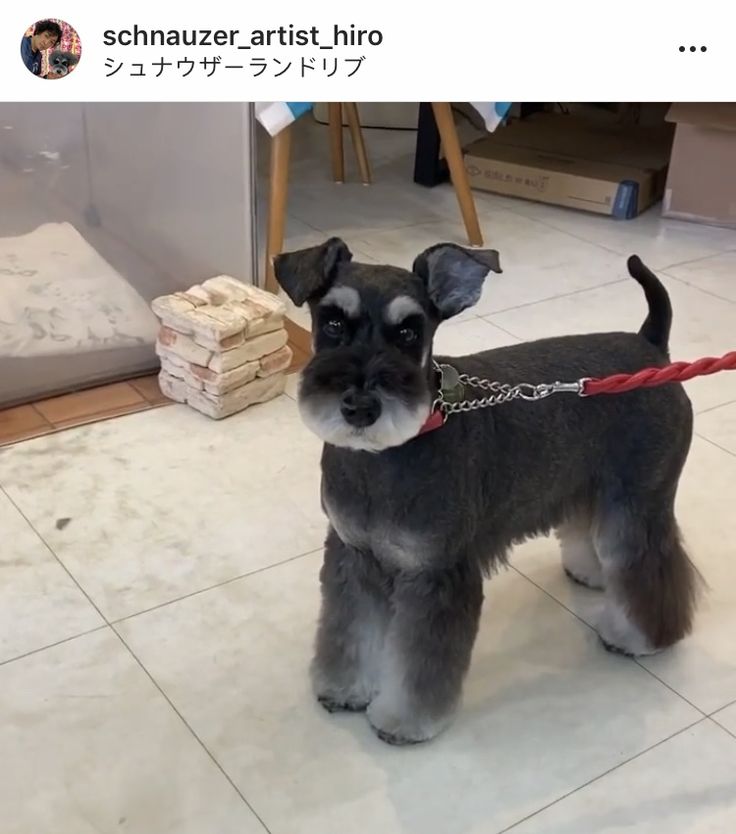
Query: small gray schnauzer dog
(417,518)
(62,63)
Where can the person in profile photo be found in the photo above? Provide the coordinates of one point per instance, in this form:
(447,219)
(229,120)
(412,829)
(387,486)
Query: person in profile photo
(46,35)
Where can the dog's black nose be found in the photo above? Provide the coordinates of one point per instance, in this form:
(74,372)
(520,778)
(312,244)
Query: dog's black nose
(360,408)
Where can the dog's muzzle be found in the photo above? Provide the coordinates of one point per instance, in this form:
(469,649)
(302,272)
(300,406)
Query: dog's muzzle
(360,408)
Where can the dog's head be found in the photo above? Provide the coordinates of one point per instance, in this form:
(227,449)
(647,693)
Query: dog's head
(60,63)
(370,383)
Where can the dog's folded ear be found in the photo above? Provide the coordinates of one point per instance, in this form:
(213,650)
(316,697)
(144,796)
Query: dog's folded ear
(308,273)
(454,276)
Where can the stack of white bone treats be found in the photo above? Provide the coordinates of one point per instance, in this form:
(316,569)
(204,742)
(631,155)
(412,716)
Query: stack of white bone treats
(222,346)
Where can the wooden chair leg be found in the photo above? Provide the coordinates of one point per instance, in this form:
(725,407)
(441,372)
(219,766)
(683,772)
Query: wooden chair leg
(278,188)
(454,156)
(338,157)
(356,133)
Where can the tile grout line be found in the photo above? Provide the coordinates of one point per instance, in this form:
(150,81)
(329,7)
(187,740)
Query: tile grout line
(553,598)
(108,624)
(689,261)
(451,324)
(115,631)
(502,329)
(721,727)
(692,286)
(591,628)
(189,727)
(48,426)
(602,775)
(551,225)
(377,231)
(492,324)
(713,443)
(662,270)
(364,244)
(53,645)
(40,431)
(112,623)
(720,709)
(214,587)
(667,686)
(714,408)
(48,547)
(137,660)
(106,621)
(553,298)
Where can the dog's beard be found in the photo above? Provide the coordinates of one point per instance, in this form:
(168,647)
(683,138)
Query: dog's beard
(397,423)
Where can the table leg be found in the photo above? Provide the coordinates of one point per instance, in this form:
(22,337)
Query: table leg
(334,110)
(454,154)
(353,117)
(429,169)
(278,188)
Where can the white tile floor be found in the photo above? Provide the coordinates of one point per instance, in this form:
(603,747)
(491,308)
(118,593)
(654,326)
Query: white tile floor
(159,589)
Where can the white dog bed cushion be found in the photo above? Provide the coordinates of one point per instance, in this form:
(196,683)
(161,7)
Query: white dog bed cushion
(59,296)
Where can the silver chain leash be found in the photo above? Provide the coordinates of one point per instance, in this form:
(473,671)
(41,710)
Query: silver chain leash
(499,392)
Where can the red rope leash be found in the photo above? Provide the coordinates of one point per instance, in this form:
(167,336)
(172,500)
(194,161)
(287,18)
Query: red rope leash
(497,393)
(649,377)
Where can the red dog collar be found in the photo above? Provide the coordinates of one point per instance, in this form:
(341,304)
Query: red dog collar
(435,420)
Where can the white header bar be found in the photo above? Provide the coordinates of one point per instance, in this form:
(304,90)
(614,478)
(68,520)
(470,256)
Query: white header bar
(568,50)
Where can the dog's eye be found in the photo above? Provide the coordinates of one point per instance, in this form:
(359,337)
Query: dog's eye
(334,328)
(408,335)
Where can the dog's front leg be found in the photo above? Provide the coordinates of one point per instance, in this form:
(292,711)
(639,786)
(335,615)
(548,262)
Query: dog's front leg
(352,626)
(427,652)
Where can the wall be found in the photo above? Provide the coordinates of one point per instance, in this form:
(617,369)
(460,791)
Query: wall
(172,182)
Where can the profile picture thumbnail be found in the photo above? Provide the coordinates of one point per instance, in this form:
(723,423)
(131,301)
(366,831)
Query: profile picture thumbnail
(51,49)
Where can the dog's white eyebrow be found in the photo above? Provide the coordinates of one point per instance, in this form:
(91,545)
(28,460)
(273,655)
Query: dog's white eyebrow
(401,307)
(346,298)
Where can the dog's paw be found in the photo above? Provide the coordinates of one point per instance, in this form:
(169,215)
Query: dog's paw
(340,696)
(580,560)
(398,729)
(612,649)
(594,582)
(396,740)
(619,635)
(332,704)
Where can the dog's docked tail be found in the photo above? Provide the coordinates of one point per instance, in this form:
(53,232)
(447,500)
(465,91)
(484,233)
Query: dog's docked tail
(656,327)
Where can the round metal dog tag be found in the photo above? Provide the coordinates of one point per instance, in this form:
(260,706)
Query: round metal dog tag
(452,389)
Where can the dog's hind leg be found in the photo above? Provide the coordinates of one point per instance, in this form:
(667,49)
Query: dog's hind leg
(651,584)
(353,620)
(427,652)
(579,558)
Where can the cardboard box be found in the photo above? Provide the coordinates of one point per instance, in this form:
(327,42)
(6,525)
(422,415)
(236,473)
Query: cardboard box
(701,185)
(593,165)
